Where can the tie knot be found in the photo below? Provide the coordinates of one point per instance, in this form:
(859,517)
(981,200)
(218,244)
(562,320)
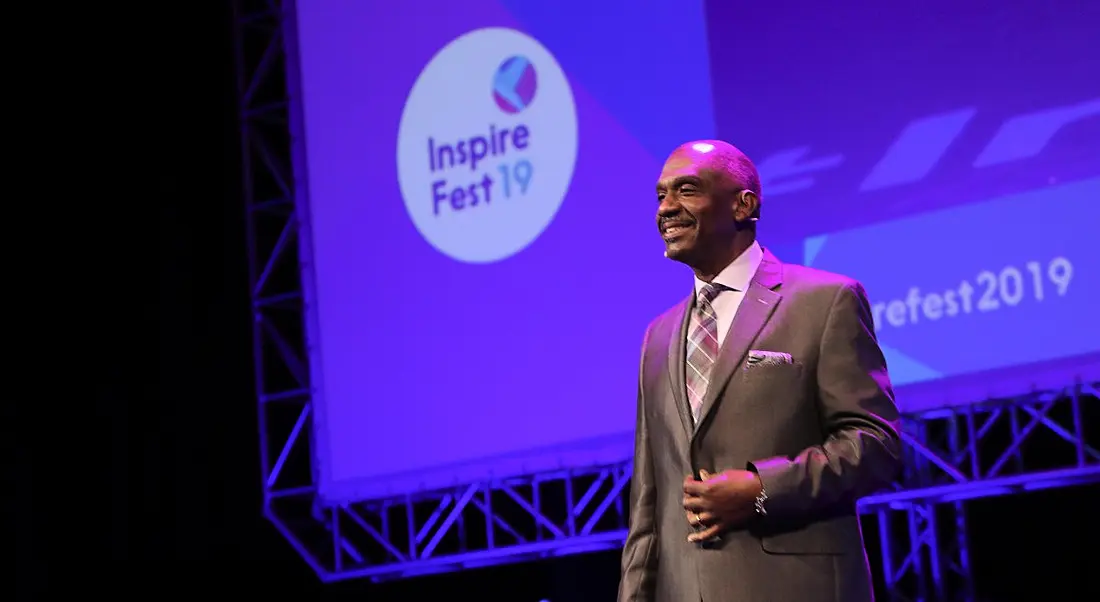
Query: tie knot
(708,293)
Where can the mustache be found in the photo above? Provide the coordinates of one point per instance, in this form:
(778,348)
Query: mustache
(678,220)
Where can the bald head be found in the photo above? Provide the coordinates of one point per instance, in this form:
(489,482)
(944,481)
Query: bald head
(709,194)
(723,158)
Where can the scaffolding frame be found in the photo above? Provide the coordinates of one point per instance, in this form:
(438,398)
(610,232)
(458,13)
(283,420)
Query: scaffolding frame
(955,454)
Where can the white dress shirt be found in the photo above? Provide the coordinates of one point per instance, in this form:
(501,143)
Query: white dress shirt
(735,279)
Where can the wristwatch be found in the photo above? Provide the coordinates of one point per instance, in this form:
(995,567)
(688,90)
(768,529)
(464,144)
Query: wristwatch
(758,504)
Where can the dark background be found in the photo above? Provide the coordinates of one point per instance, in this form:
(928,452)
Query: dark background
(180,514)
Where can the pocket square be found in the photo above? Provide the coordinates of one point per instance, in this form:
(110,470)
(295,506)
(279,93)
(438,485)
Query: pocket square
(768,358)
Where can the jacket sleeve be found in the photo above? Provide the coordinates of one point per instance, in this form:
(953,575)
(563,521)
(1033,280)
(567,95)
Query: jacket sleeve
(861,453)
(639,561)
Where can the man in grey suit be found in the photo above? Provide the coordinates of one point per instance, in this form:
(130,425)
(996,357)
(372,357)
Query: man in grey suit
(766,387)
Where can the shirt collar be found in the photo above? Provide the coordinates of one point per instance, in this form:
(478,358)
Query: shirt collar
(738,274)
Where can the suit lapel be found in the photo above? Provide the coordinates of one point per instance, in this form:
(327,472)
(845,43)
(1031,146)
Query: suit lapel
(677,363)
(756,309)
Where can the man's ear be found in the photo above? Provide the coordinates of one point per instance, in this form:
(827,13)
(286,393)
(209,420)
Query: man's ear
(747,206)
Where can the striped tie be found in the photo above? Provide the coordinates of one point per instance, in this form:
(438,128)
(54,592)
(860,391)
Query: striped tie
(702,348)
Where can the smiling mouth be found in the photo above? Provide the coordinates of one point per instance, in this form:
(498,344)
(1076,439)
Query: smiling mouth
(671,231)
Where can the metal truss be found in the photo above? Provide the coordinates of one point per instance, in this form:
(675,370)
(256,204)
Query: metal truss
(993,448)
(482,524)
(281,372)
(1000,447)
(996,447)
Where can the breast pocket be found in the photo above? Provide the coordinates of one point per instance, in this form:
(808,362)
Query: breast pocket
(771,378)
(769,395)
(766,396)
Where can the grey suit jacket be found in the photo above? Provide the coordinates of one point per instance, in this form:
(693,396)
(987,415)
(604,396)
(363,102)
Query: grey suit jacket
(815,418)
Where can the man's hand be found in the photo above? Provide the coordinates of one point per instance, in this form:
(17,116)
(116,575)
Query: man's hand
(720,502)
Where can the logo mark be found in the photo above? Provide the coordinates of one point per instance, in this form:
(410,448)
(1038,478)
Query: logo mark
(483,175)
(514,84)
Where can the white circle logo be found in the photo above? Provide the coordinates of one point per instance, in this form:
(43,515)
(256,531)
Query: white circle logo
(487,145)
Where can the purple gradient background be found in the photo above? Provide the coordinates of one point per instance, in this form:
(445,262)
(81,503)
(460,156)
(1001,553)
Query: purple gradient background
(846,77)
(430,372)
(409,363)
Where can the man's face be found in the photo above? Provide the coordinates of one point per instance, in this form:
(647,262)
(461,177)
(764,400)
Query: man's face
(696,211)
